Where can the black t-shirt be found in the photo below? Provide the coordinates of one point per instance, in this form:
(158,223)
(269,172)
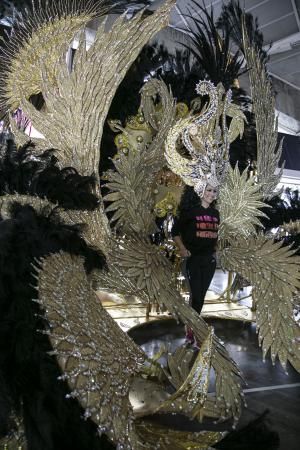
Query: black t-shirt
(198,229)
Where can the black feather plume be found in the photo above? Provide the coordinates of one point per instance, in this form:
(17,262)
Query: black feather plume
(231,19)
(28,374)
(212,47)
(25,172)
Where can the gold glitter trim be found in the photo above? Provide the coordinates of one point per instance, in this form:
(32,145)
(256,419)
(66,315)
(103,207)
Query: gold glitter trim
(274,272)
(97,358)
(263,104)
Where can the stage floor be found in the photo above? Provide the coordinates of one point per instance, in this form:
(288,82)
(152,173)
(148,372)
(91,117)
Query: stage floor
(268,386)
(131,313)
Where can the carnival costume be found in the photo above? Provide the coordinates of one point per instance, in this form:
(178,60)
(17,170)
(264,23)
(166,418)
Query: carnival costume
(66,368)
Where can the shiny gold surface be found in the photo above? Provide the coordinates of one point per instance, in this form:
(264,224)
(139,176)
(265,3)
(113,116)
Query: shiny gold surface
(96,231)
(192,390)
(136,266)
(263,104)
(274,272)
(39,48)
(131,184)
(90,347)
(93,351)
(174,439)
(96,74)
(101,363)
(130,314)
(206,141)
(239,205)
(167,205)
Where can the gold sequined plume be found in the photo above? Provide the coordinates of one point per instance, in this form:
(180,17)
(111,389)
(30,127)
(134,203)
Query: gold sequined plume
(72,122)
(206,138)
(40,36)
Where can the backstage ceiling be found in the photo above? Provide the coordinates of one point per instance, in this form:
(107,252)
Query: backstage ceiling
(279,21)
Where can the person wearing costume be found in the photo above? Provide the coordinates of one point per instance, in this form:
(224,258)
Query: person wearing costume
(195,232)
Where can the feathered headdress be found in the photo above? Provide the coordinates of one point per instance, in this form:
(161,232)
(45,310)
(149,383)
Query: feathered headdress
(206,138)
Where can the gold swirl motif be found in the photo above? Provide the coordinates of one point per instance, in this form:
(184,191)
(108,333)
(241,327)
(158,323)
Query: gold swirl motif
(41,48)
(167,178)
(133,137)
(137,132)
(167,205)
(206,141)
(182,110)
(138,123)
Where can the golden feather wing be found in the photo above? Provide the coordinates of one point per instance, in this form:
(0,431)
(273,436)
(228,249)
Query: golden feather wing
(240,205)
(274,272)
(73,120)
(97,359)
(131,196)
(263,101)
(42,42)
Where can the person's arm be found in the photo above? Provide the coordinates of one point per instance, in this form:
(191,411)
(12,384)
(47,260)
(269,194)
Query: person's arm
(183,251)
(176,234)
(216,247)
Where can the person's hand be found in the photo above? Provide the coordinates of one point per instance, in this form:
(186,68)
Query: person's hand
(184,252)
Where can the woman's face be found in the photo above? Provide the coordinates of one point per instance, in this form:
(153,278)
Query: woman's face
(210,194)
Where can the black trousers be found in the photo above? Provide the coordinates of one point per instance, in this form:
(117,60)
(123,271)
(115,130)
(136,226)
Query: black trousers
(199,271)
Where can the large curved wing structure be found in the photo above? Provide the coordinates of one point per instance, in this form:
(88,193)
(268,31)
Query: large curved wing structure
(97,359)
